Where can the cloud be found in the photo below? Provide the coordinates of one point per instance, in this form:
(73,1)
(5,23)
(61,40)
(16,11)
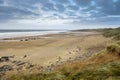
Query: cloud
(73,7)
(62,1)
(48,7)
(109,7)
(60,7)
(83,3)
(77,11)
(8,13)
(1,1)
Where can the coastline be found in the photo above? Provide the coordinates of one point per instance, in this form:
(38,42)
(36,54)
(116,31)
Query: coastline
(17,35)
(53,49)
(22,36)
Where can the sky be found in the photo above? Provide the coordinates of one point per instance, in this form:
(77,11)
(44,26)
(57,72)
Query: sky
(59,14)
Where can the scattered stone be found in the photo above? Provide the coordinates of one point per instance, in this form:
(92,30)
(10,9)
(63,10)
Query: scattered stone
(70,58)
(12,56)
(26,39)
(28,66)
(79,49)
(21,40)
(73,50)
(5,68)
(4,59)
(24,56)
(69,52)
(59,58)
(19,68)
(20,63)
(14,62)
(49,68)
(52,65)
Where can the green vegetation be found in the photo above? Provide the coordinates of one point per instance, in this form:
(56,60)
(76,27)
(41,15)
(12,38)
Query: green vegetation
(108,71)
(115,33)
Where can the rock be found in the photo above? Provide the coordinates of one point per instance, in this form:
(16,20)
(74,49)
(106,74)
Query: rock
(19,68)
(59,58)
(29,65)
(4,59)
(24,56)
(20,63)
(21,40)
(13,61)
(52,65)
(49,68)
(69,52)
(26,39)
(70,58)
(5,68)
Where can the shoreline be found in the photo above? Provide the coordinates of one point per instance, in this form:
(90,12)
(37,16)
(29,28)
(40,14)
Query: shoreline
(53,51)
(16,35)
(48,35)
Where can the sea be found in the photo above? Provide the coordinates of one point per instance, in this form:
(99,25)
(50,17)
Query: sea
(23,33)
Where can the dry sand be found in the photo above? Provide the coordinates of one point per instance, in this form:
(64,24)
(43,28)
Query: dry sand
(50,48)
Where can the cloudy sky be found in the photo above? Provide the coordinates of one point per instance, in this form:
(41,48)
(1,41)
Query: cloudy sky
(59,14)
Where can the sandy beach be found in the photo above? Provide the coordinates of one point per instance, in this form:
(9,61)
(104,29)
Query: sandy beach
(53,48)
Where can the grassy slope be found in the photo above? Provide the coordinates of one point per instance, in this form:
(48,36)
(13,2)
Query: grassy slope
(115,33)
(104,66)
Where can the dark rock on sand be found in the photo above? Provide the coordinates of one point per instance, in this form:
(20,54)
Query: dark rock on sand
(4,59)
(5,68)
(24,56)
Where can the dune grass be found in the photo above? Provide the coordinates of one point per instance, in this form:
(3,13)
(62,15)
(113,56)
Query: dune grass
(115,33)
(108,71)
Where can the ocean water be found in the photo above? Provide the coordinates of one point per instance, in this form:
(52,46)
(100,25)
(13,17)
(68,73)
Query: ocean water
(23,33)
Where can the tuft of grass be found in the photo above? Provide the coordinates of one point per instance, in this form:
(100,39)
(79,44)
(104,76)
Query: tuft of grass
(114,49)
